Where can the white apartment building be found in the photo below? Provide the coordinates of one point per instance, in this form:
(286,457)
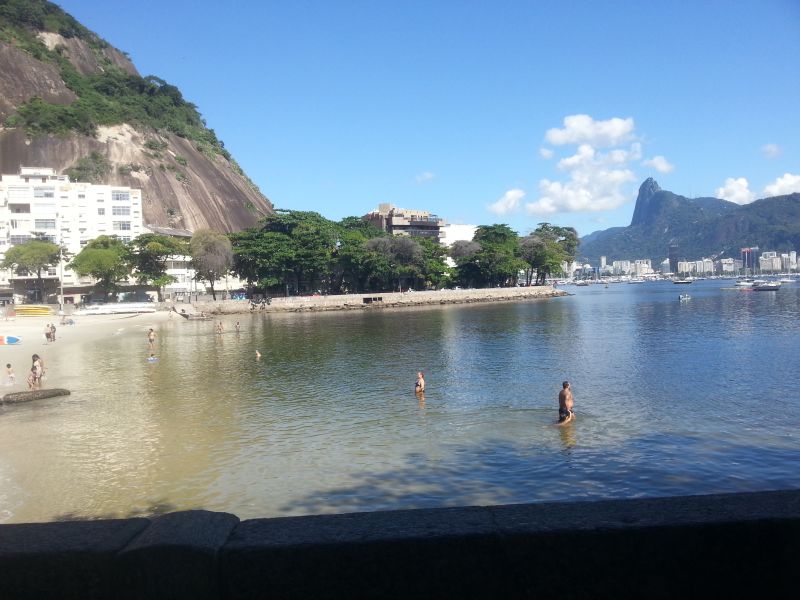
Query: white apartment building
(38,203)
(769,261)
(642,267)
(621,267)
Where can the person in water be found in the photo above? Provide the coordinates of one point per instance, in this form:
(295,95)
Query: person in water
(151,338)
(419,386)
(565,403)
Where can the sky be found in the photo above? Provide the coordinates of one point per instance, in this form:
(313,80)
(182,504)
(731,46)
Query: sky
(483,111)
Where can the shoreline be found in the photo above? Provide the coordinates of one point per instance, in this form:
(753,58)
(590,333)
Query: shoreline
(373,300)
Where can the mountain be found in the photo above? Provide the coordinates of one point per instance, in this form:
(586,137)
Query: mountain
(700,227)
(71,101)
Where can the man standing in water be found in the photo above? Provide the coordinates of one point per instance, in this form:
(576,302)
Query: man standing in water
(565,402)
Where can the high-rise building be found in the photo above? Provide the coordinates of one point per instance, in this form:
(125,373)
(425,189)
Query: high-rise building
(37,203)
(672,253)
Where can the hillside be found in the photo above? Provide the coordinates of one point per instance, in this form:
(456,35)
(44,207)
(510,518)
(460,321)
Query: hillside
(71,101)
(701,227)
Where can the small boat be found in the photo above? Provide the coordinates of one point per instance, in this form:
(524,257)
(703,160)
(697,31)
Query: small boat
(687,280)
(744,283)
(582,283)
(120,308)
(767,286)
(10,340)
(786,280)
(684,297)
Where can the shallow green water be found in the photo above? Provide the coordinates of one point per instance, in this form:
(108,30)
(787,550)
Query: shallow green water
(672,398)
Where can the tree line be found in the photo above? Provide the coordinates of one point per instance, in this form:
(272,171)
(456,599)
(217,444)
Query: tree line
(296,252)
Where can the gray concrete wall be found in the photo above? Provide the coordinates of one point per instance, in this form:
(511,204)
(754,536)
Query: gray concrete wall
(721,546)
(387,300)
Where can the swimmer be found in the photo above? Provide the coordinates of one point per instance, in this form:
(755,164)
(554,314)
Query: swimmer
(237,327)
(565,403)
(258,355)
(151,338)
(419,386)
(220,328)
(152,358)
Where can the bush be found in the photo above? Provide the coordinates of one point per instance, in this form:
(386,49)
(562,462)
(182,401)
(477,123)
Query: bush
(91,169)
(181,160)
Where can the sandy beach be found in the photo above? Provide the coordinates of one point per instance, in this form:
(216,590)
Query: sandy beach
(86,329)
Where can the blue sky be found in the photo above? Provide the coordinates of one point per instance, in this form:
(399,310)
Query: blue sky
(483,112)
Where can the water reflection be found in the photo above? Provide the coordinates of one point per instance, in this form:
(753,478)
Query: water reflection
(670,399)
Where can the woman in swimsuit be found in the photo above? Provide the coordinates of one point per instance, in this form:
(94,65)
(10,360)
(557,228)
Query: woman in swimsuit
(419,386)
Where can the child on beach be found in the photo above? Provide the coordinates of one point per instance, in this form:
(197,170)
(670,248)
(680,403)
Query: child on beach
(32,379)
(11,379)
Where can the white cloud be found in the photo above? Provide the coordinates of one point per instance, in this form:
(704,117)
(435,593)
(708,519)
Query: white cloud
(546,153)
(660,164)
(583,129)
(788,184)
(771,150)
(736,190)
(424,177)
(508,203)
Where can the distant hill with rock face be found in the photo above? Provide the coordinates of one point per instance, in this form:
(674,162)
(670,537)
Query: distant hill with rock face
(71,101)
(700,227)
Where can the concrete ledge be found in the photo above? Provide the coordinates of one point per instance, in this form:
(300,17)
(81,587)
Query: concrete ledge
(719,546)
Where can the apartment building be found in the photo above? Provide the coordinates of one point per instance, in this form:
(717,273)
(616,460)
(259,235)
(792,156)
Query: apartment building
(404,221)
(39,203)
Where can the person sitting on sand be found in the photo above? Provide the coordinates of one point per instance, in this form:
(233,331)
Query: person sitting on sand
(419,386)
(565,403)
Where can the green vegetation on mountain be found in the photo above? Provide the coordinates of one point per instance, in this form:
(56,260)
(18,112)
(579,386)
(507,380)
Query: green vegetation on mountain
(109,96)
(699,227)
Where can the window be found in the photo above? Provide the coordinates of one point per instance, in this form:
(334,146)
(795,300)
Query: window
(51,271)
(121,225)
(44,192)
(81,196)
(44,223)
(18,239)
(120,196)
(121,210)
(101,211)
(125,239)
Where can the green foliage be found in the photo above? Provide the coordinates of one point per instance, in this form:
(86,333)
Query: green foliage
(45,16)
(129,168)
(181,160)
(495,262)
(155,145)
(93,169)
(32,256)
(212,256)
(182,177)
(103,258)
(148,254)
(545,249)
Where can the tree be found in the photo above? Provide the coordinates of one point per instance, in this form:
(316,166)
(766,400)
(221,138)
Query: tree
(103,258)
(32,256)
(398,258)
(546,248)
(212,256)
(148,254)
(498,261)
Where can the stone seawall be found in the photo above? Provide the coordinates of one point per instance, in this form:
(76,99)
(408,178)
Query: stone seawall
(719,546)
(380,300)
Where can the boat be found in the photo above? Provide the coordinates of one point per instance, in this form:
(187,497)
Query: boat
(582,283)
(687,280)
(684,297)
(10,340)
(767,286)
(786,280)
(744,283)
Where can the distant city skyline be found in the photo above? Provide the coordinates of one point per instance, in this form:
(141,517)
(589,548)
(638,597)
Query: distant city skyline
(511,112)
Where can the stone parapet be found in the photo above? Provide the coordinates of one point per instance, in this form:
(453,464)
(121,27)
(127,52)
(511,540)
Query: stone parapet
(718,546)
(378,300)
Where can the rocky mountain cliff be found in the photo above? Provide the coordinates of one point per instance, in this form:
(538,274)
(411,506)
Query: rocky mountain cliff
(71,101)
(701,227)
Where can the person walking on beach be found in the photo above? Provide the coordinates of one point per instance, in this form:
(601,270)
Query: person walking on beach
(52,332)
(47,333)
(419,386)
(11,379)
(565,403)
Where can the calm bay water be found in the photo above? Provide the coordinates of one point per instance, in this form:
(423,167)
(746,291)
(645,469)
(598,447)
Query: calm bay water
(671,398)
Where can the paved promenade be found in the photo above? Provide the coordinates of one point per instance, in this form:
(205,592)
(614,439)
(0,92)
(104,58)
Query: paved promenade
(379,300)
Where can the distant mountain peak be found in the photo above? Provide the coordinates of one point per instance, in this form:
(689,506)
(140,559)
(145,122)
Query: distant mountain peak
(644,209)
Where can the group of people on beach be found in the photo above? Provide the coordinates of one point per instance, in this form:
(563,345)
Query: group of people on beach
(35,375)
(49,333)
